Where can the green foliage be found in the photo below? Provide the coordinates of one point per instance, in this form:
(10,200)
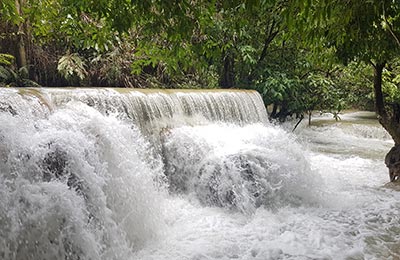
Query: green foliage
(6,59)
(391,82)
(279,88)
(6,75)
(299,95)
(321,93)
(356,32)
(71,65)
(10,77)
(353,28)
(288,50)
(8,12)
(356,81)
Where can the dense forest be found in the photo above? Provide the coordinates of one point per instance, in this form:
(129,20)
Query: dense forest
(325,55)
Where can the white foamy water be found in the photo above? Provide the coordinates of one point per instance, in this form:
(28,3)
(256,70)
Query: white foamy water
(75,185)
(344,212)
(82,181)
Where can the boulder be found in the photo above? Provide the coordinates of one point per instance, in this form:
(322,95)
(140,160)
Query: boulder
(392,161)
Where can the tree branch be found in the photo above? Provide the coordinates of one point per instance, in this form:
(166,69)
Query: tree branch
(270,37)
(389,26)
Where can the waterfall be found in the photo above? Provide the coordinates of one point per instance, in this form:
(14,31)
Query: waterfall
(82,177)
(168,174)
(148,108)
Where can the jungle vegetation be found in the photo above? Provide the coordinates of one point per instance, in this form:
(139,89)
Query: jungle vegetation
(301,55)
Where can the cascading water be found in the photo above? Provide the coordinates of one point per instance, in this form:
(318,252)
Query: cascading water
(72,188)
(237,167)
(128,174)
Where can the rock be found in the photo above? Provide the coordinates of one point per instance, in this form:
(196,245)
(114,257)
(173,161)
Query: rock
(392,161)
(55,166)
(395,185)
(5,107)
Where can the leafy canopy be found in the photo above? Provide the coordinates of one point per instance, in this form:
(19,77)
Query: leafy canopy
(362,30)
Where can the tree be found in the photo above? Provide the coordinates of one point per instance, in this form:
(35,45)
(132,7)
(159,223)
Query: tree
(42,34)
(363,31)
(241,34)
(12,13)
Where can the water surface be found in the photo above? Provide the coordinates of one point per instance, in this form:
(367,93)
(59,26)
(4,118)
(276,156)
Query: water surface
(82,181)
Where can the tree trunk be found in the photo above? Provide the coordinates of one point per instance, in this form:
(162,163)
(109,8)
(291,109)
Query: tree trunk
(390,120)
(227,77)
(379,103)
(21,52)
(21,57)
(283,112)
(274,110)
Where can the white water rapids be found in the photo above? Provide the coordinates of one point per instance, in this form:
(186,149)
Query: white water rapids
(101,174)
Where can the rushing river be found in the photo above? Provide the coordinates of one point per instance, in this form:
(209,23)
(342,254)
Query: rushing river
(82,178)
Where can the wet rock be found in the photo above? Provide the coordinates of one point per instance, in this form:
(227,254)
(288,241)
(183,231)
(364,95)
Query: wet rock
(4,107)
(55,166)
(395,185)
(392,161)
(237,181)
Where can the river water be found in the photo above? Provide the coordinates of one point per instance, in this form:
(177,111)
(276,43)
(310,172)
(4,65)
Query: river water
(80,181)
(336,174)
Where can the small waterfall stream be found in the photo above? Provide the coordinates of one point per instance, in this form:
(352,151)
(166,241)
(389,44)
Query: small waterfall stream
(179,174)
